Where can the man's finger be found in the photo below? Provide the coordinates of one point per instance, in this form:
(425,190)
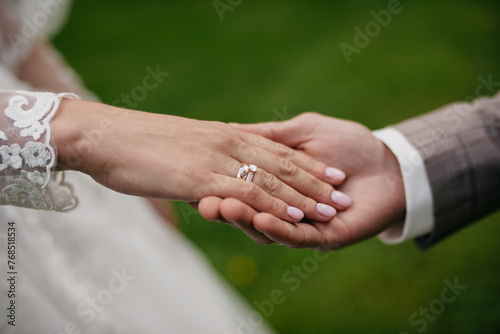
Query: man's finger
(209,208)
(286,132)
(241,215)
(299,235)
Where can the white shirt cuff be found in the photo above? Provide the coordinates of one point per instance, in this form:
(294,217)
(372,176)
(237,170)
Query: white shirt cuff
(419,211)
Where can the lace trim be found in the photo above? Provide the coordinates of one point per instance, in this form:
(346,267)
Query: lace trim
(35,161)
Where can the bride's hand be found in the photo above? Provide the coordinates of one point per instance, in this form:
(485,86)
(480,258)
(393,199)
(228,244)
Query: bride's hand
(177,158)
(374,184)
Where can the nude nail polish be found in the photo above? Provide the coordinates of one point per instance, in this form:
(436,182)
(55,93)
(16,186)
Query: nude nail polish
(295,213)
(341,198)
(326,210)
(334,173)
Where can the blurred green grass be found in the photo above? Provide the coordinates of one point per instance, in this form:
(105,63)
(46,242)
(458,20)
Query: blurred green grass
(267,56)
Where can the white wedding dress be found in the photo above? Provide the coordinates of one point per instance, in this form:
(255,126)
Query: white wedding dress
(108,264)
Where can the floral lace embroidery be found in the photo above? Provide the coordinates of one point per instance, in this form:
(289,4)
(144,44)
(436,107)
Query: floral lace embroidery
(10,157)
(30,185)
(33,158)
(35,154)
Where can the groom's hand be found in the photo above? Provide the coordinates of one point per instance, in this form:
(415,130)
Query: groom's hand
(374,184)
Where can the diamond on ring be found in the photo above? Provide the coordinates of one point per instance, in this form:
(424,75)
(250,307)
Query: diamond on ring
(246,172)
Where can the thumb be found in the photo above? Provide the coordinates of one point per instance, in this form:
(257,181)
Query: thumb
(288,132)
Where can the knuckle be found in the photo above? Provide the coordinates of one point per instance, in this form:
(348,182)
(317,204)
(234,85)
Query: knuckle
(222,138)
(308,204)
(211,185)
(250,191)
(320,190)
(287,168)
(275,206)
(251,153)
(283,151)
(271,184)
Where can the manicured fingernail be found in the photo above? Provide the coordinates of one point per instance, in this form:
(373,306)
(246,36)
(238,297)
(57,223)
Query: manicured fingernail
(341,198)
(326,210)
(295,213)
(334,173)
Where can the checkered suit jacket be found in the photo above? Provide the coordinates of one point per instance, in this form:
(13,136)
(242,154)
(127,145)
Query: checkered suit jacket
(460,146)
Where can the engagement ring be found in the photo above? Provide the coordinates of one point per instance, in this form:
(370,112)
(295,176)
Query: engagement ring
(246,172)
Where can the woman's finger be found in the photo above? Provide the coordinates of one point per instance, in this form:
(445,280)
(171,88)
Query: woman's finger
(331,175)
(251,194)
(266,193)
(305,185)
(277,188)
(277,196)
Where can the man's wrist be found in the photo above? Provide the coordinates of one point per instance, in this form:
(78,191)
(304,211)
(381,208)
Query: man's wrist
(419,212)
(394,178)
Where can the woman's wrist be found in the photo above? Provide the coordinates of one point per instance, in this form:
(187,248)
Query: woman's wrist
(79,129)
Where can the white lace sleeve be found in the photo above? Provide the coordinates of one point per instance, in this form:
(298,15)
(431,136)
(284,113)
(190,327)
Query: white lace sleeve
(27,156)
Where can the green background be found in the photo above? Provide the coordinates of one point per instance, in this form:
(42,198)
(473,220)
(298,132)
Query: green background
(269,60)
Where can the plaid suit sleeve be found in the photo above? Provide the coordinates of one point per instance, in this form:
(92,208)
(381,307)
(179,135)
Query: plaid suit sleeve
(460,147)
